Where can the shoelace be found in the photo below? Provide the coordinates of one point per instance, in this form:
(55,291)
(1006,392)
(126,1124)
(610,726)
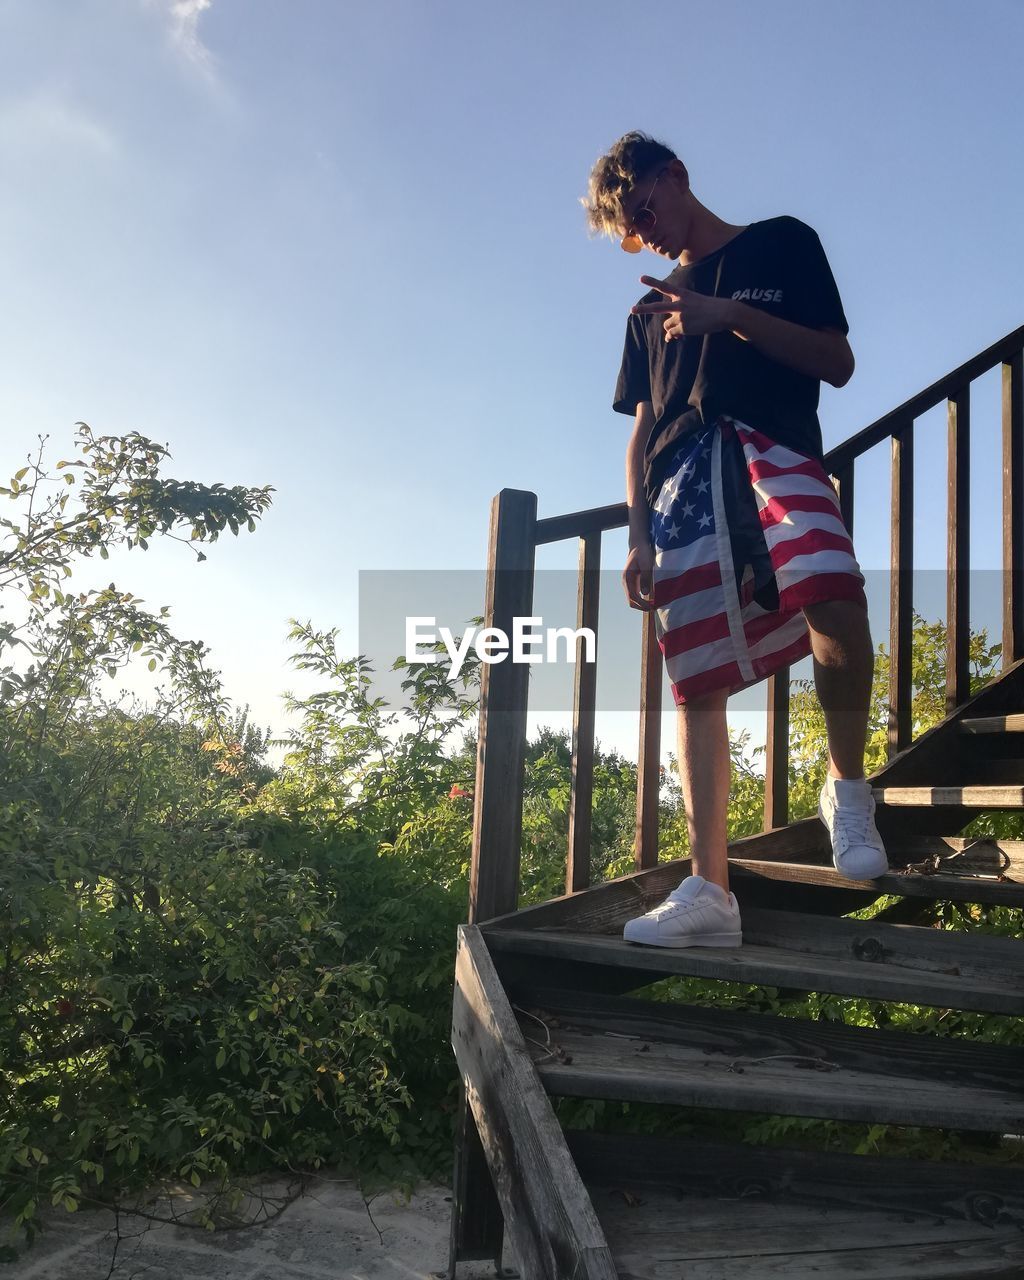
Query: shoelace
(670,905)
(852,824)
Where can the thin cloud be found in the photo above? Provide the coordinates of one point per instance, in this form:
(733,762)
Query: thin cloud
(48,118)
(183,22)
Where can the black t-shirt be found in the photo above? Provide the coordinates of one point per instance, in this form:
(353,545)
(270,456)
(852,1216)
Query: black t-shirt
(777,265)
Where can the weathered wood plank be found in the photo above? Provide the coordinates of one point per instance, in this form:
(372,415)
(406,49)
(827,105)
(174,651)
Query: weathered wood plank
(813,1236)
(977,855)
(969,797)
(501,743)
(981,854)
(672,1198)
(901,963)
(638,1051)
(845,488)
(993,724)
(577,524)
(776,768)
(958,549)
(985,877)
(648,770)
(577,874)
(964,1260)
(778,1176)
(929,953)
(477,1224)
(819,1233)
(901,599)
(548,1215)
(1013,507)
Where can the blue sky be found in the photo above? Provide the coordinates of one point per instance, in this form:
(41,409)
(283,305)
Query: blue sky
(338,248)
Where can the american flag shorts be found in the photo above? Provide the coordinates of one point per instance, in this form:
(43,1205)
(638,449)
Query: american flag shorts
(746,533)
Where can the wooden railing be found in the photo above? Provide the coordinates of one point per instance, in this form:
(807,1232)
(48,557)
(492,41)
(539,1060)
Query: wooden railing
(515,534)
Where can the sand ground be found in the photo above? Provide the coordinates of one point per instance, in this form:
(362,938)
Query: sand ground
(327,1233)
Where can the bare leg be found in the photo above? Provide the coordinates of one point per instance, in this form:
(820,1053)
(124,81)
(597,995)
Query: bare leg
(703,741)
(844,662)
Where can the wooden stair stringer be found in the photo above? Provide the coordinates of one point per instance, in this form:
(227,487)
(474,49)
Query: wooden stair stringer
(549,1218)
(935,760)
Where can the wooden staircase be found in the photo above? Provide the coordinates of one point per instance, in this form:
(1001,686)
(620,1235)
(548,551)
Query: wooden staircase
(551,1003)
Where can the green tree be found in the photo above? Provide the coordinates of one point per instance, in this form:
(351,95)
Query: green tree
(808,743)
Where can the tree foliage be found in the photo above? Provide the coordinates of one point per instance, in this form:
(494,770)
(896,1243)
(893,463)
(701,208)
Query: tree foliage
(214,964)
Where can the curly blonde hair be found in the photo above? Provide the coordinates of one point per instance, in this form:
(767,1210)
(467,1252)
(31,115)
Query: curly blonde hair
(616,174)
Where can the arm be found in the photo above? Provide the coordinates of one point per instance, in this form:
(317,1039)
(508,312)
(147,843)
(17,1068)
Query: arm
(637,576)
(818,353)
(636,501)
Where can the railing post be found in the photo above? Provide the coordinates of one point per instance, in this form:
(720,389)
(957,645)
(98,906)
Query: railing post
(958,551)
(477,1226)
(1013,509)
(648,769)
(844,484)
(577,872)
(501,745)
(776,773)
(901,600)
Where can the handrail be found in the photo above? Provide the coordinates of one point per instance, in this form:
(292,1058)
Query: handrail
(516,533)
(943,389)
(578,524)
(616,515)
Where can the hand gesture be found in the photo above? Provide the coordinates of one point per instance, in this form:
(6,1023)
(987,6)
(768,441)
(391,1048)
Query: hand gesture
(685,312)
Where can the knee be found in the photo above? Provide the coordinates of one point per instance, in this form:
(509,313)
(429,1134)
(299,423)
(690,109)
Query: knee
(842,619)
(708,707)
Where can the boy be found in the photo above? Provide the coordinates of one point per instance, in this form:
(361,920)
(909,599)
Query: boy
(735,534)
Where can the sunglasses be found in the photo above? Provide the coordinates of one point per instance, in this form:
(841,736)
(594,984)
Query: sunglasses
(641,223)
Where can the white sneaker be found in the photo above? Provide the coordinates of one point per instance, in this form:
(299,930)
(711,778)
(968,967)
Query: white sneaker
(847,808)
(697,914)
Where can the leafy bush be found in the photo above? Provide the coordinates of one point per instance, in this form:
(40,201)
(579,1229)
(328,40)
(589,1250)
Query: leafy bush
(211,966)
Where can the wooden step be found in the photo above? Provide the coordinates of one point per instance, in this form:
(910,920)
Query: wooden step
(967,797)
(947,869)
(993,724)
(901,963)
(629,1050)
(676,1209)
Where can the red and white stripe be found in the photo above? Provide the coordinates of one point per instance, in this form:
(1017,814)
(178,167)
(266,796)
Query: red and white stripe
(714,636)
